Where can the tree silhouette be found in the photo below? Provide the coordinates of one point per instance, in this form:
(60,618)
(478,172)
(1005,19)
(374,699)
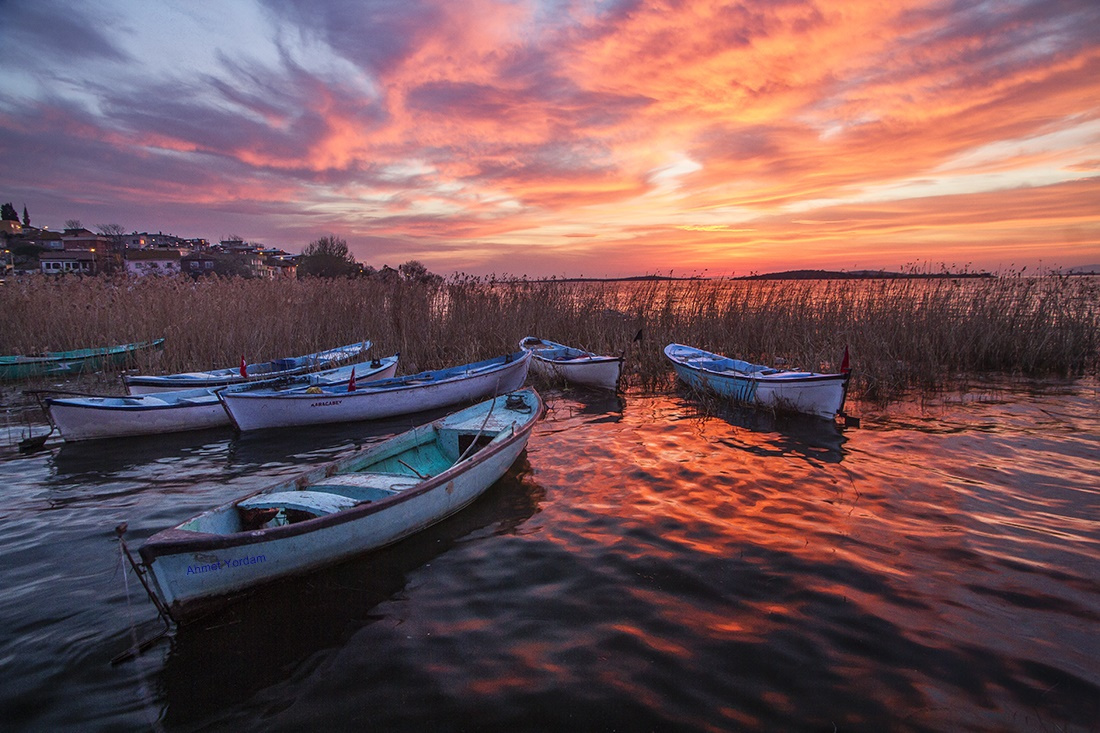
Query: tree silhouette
(112,261)
(415,271)
(115,233)
(327,257)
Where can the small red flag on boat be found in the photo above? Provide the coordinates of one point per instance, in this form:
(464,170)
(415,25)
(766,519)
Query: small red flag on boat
(844,367)
(244,371)
(351,382)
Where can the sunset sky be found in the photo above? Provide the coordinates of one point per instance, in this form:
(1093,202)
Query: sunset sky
(568,138)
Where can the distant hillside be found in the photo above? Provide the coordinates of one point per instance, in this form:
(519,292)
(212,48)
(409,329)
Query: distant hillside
(858,275)
(1082,270)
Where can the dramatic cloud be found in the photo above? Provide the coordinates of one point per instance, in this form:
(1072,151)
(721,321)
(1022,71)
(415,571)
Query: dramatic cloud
(569,137)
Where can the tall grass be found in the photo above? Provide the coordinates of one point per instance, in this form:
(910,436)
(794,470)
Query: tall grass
(902,334)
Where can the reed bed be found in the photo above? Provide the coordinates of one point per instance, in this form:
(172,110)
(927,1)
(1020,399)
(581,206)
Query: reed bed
(903,335)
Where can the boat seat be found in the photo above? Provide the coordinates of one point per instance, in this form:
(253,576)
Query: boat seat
(314,502)
(498,421)
(197,400)
(386,481)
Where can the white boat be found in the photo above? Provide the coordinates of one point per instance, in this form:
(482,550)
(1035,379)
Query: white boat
(368,500)
(754,384)
(90,417)
(574,365)
(367,370)
(292,366)
(261,408)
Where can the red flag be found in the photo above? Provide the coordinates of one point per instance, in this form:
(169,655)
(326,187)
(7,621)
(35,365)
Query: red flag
(244,371)
(351,382)
(844,362)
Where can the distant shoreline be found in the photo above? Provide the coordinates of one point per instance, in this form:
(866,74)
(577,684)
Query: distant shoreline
(815,275)
(786,275)
(862,275)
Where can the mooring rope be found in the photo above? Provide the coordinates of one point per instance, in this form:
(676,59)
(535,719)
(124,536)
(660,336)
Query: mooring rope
(147,700)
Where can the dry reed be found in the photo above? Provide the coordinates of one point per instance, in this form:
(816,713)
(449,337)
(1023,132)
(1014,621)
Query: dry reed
(902,334)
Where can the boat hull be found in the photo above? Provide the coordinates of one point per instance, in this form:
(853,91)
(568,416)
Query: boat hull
(192,571)
(86,420)
(822,395)
(156,413)
(258,410)
(599,372)
(555,361)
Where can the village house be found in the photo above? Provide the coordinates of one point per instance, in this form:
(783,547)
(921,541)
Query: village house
(43,238)
(80,250)
(75,261)
(14,233)
(283,268)
(82,239)
(144,262)
(254,264)
(238,246)
(160,240)
(197,264)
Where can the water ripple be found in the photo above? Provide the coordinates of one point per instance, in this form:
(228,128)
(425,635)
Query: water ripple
(653,563)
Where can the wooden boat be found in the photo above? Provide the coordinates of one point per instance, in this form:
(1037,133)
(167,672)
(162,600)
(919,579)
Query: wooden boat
(58,363)
(368,500)
(88,417)
(262,408)
(574,365)
(288,367)
(755,384)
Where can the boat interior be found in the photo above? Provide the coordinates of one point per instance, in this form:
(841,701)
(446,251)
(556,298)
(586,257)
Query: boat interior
(563,353)
(731,365)
(397,465)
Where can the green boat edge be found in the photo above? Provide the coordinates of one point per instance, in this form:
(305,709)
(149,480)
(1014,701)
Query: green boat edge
(76,361)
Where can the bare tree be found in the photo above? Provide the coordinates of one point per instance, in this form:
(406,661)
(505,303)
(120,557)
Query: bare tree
(112,259)
(327,257)
(73,224)
(115,233)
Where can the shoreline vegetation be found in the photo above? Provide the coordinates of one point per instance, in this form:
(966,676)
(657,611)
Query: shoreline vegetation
(905,335)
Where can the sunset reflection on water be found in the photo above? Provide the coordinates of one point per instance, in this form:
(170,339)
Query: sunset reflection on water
(653,562)
(862,548)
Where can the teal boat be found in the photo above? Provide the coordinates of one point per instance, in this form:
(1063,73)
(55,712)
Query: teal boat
(364,501)
(77,361)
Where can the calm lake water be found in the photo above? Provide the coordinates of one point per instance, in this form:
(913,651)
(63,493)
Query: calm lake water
(644,567)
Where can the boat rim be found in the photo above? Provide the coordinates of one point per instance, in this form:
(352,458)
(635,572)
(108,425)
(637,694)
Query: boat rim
(590,357)
(775,378)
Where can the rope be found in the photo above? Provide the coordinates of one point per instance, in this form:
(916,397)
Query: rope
(480,430)
(147,708)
